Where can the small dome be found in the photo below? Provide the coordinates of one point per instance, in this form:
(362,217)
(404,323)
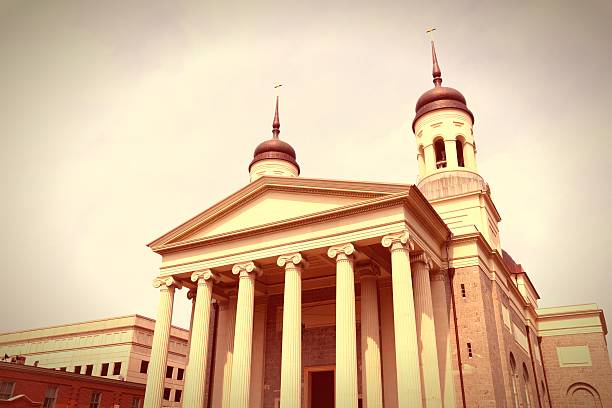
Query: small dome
(440,97)
(274,149)
(274,145)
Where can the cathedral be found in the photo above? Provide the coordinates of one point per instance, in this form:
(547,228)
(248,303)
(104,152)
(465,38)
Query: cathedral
(329,293)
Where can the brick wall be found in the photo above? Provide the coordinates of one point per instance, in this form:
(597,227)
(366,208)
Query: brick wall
(74,390)
(596,379)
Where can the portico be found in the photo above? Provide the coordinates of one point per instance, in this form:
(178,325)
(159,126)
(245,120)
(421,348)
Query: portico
(287,282)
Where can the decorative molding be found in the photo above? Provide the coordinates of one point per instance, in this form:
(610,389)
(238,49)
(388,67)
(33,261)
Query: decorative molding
(398,240)
(246,269)
(295,258)
(342,251)
(166,283)
(269,183)
(204,275)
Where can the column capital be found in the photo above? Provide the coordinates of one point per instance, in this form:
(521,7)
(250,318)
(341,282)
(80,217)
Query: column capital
(246,269)
(398,240)
(369,270)
(295,258)
(166,283)
(342,251)
(203,275)
(422,257)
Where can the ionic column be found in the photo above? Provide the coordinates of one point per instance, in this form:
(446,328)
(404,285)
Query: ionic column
(224,353)
(191,295)
(371,383)
(443,338)
(243,336)
(346,337)
(426,330)
(406,344)
(291,359)
(159,350)
(195,372)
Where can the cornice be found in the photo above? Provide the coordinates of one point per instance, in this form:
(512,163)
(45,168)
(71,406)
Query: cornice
(67,374)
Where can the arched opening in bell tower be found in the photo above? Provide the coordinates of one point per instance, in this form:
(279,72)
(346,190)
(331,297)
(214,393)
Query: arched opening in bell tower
(440,153)
(459,142)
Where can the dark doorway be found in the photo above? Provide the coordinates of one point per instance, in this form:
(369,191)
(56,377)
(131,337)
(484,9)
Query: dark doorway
(321,389)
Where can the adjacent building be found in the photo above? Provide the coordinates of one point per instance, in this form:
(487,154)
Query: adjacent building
(116,348)
(24,386)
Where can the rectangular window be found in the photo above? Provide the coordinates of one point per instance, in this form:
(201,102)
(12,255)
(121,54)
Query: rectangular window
(177,395)
(77,369)
(89,369)
(462,290)
(94,401)
(469,348)
(6,389)
(167,394)
(104,370)
(50,397)
(169,370)
(179,374)
(136,402)
(117,368)
(144,366)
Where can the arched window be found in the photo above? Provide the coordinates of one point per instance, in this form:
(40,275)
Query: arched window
(513,378)
(459,147)
(440,153)
(583,395)
(526,381)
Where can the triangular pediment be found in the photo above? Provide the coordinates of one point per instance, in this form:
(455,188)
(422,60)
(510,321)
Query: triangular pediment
(271,200)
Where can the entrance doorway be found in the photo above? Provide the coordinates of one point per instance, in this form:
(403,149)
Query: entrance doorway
(320,390)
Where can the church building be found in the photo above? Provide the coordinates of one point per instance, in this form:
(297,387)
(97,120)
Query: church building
(328,293)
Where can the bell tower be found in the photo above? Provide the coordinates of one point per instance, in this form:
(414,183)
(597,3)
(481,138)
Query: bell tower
(446,156)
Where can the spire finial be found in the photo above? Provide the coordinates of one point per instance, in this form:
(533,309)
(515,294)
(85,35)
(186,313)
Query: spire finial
(437,74)
(276,122)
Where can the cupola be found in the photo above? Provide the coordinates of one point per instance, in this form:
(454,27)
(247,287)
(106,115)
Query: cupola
(274,157)
(443,129)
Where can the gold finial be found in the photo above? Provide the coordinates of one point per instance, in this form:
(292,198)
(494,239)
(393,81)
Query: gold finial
(430,33)
(276,88)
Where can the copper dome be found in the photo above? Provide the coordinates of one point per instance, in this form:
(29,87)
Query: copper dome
(439,97)
(275,148)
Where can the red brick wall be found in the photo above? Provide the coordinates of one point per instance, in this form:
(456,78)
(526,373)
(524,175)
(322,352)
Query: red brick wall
(74,390)
(599,376)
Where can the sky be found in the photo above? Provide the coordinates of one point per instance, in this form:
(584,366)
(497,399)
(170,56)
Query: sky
(119,120)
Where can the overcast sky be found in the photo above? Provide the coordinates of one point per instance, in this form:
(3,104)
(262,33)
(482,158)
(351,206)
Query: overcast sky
(120,120)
